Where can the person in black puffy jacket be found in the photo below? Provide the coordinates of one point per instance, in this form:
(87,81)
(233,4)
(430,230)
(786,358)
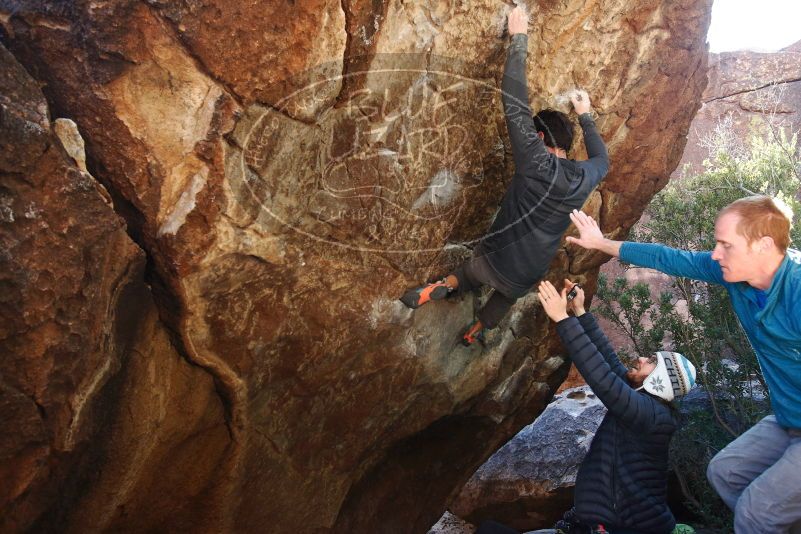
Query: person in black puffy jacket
(622,482)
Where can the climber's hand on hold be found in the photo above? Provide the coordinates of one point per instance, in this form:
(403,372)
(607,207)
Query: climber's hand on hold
(518,21)
(581,101)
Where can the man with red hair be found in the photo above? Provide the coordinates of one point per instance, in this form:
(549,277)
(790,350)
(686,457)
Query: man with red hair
(758,475)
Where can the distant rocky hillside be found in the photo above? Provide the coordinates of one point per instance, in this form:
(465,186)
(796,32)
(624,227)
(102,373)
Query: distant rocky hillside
(746,89)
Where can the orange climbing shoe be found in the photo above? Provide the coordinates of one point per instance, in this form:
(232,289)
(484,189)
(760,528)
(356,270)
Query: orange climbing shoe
(473,334)
(416,297)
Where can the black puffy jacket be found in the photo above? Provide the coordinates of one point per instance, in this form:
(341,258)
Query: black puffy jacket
(622,482)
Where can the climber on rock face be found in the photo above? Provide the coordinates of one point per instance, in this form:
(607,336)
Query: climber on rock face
(535,211)
(622,482)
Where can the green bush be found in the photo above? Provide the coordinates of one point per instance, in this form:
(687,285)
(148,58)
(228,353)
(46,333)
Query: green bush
(706,329)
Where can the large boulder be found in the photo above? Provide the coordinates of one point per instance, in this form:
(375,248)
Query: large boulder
(95,403)
(528,483)
(288,169)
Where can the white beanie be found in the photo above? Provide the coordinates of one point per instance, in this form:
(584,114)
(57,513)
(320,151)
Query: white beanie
(673,376)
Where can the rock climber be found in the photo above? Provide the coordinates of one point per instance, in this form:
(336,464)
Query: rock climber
(535,211)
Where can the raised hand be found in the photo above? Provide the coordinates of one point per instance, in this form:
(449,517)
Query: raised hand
(581,101)
(577,304)
(518,21)
(553,302)
(590,235)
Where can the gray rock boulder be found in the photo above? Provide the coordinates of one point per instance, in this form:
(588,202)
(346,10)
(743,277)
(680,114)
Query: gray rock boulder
(528,483)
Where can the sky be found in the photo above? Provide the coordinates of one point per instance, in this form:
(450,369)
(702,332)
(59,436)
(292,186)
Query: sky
(759,25)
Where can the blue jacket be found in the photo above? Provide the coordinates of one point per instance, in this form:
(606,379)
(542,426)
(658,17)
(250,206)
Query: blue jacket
(622,482)
(774,331)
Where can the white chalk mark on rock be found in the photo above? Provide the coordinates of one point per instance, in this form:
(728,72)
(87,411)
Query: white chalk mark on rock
(442,190)
(185,204)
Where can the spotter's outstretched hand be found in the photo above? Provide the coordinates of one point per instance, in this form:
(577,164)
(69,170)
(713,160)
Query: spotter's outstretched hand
(577,304)
(553,302)
(590,235)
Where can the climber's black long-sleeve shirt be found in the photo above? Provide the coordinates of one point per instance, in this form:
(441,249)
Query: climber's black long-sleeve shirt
(535,212)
